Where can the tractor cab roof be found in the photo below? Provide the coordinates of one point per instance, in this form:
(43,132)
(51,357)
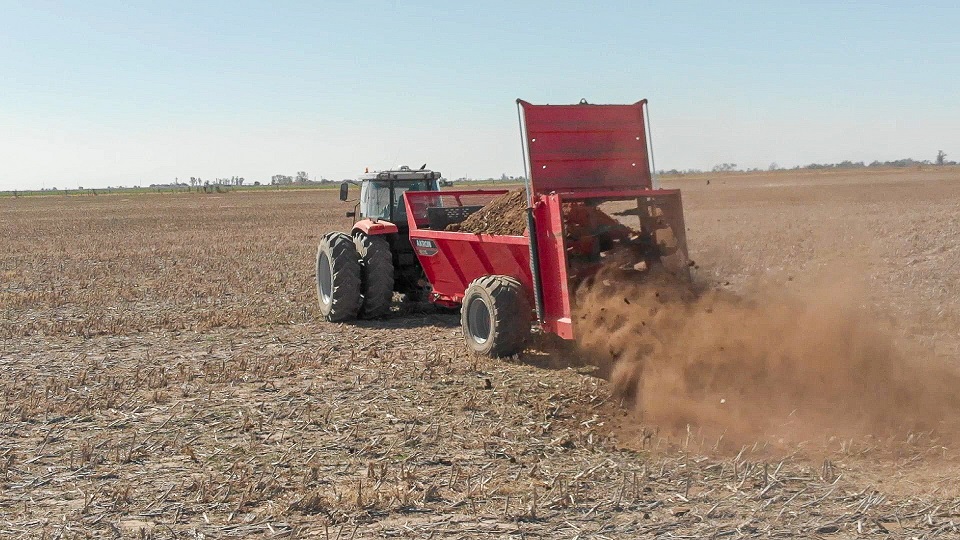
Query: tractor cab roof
(403,173)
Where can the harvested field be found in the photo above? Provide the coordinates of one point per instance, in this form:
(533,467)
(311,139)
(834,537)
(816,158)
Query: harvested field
(165,375)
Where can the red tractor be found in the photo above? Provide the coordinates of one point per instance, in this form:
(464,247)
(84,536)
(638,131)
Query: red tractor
(357,274)
(591,197)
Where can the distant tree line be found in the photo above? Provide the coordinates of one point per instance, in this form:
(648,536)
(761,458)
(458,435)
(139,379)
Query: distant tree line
(940,160)
(232,181)
(300,178)
(503,178)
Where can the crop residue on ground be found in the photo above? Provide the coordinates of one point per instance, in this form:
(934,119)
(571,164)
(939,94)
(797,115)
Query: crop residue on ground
(166,374)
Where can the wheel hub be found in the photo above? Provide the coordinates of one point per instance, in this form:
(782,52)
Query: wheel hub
(325,278)
(478,320)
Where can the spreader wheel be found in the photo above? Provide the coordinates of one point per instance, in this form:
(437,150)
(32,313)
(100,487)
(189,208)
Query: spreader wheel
(338,277)
(376,271)
(495,316)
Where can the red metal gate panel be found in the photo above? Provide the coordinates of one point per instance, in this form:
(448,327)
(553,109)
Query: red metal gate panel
(579,147)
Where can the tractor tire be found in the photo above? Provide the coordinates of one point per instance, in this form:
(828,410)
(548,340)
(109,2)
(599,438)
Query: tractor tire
(338,277)
(376,271)
(495,316)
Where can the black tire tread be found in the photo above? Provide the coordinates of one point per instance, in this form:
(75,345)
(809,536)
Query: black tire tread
(510,314)
(377,278)
(346,281)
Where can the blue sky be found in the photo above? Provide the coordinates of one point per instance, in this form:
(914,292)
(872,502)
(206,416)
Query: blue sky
(111,93)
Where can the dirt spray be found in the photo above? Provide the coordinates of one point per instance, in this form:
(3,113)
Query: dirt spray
(765,364)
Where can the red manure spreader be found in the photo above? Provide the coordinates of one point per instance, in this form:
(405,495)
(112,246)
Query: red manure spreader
(591,195)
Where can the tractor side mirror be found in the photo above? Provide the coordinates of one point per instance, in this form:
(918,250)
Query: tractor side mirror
(344,191)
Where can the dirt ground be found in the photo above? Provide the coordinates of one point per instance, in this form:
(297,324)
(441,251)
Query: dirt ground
(165,375)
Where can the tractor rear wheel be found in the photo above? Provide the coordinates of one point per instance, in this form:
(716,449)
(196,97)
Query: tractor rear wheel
(376,270)
(338,277)
(495,316)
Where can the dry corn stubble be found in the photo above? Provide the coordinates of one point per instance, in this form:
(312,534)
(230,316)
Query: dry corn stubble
(163,370)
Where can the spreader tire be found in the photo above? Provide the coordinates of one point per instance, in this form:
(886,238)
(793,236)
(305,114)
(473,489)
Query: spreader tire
(495,316)
(338,277)
(376,271)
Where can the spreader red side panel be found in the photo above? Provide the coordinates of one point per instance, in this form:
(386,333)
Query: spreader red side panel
(578,147)
(451,260)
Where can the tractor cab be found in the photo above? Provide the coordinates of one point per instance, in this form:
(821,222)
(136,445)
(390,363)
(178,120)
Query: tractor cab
(381,192)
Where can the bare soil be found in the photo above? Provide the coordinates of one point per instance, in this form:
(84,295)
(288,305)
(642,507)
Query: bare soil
(164,374)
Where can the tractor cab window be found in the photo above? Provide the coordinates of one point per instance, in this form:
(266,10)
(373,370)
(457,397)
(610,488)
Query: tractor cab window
(399,188)
(377,201)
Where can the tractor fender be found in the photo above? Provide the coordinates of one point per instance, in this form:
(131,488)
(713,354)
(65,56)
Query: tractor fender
(374,228)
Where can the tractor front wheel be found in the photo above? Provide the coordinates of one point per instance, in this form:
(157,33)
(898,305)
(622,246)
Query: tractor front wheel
(376,269)
(495,316)
(338,277)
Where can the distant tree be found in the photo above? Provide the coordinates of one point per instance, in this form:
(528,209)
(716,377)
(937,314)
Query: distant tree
(256,182)
(847,164)
(941,157)
(302,177)
(773,167)
(725,167)
(905,162)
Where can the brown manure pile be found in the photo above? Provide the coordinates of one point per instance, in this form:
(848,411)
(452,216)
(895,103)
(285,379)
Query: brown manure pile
(766,364)
(506,215)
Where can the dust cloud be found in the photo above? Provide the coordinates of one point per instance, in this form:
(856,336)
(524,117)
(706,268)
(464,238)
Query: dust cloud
(765,364)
